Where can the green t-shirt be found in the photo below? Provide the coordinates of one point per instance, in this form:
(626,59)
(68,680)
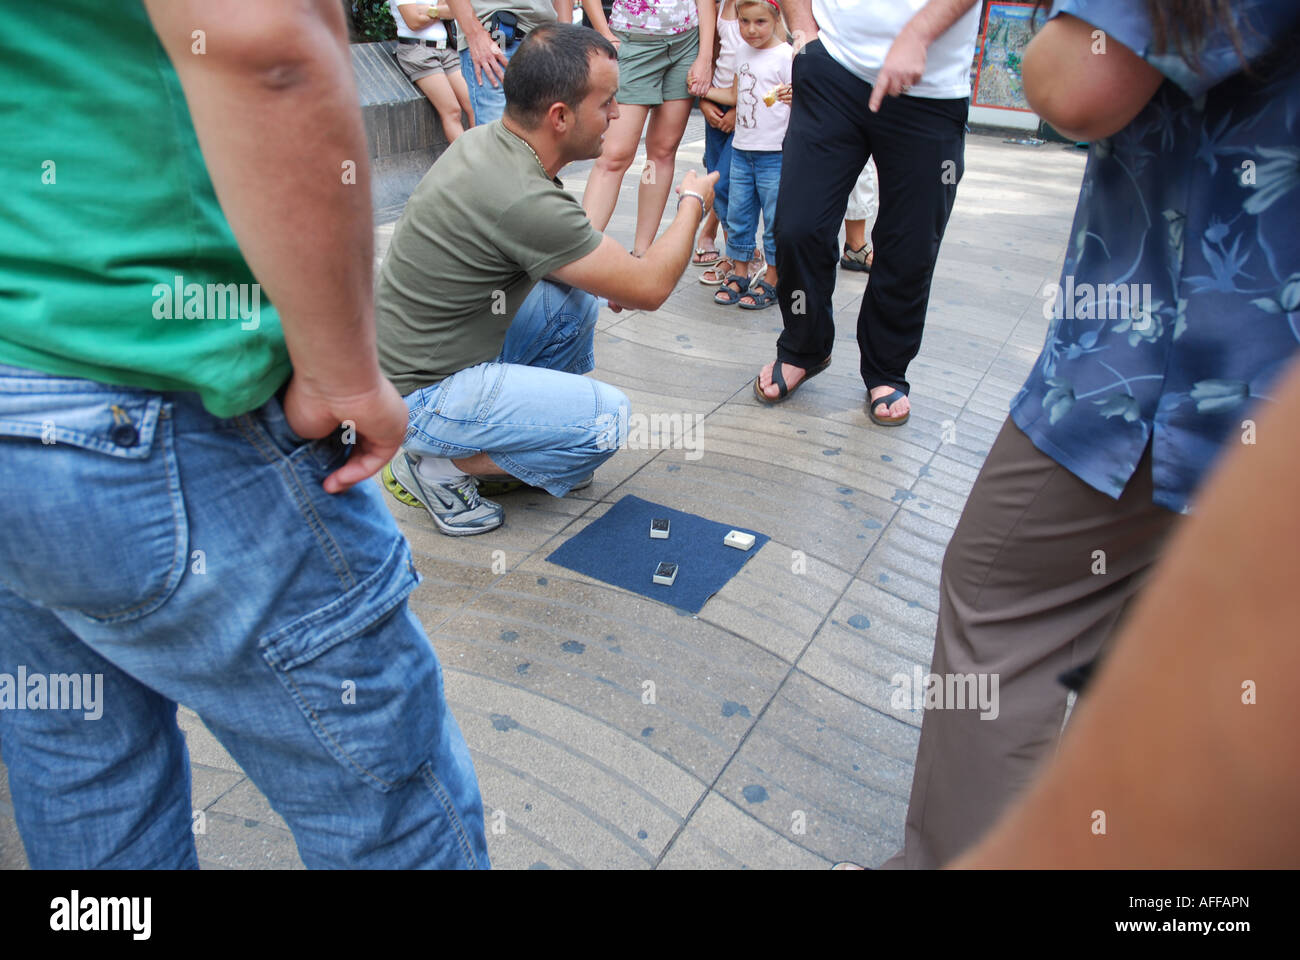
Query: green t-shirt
(484,225)
(107,212)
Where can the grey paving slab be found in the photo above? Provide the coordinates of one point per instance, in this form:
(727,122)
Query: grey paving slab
(783,682)
(827,772)
(721,836)
(235,843)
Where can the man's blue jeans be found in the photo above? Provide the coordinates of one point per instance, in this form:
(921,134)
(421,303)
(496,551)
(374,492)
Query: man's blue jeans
(182,558)
(530,409)
(489,102)
(755,182)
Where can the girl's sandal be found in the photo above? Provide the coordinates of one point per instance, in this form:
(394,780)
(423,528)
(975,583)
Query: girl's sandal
(718,274)
(762,293)
(727,296)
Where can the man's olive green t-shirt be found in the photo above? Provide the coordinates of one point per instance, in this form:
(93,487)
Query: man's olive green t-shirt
(116,261)
(484,225)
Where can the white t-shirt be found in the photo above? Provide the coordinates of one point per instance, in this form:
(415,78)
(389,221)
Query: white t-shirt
(729,41)
(759,126)
(434,31)
(858,34)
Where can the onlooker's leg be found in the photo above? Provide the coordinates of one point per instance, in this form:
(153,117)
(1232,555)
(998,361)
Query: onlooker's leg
(488,101)
(825,148)
(858,218)
(1035,578)
(742,220)
(767,180)
(102,786)
(606,178)
(437,88)
(918,147)
(219,574)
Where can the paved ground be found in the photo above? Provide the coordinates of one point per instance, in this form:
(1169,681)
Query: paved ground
(772,741)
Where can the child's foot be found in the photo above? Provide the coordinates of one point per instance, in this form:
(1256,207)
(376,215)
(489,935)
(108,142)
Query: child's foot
(732,290)
(718,272)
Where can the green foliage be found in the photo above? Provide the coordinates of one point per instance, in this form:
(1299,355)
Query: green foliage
(369,20)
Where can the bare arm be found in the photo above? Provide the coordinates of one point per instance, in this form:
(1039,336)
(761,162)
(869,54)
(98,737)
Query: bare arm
(905,62)
(799,18)
(1083,93)
(277,117)
(596,17)
(700,74)
(420,15)
(1164,743)
(644,283)
(725,95)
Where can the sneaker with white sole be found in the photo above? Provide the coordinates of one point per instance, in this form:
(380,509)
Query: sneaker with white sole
(456,508)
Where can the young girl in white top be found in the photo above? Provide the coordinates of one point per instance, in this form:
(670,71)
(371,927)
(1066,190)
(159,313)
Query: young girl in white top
(761,91)
(721,119)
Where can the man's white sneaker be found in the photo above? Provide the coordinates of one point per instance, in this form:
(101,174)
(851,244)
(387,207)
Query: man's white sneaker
(456,508)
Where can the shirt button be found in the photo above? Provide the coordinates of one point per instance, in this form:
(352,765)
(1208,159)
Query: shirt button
(124,435)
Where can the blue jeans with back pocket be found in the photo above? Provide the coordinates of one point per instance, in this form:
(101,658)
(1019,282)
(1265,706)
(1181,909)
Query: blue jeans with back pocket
(152,555)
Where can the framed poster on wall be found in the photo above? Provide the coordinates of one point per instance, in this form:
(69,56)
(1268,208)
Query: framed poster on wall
(1007,30)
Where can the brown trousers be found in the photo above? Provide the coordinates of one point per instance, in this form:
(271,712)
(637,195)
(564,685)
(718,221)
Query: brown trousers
(1022,598)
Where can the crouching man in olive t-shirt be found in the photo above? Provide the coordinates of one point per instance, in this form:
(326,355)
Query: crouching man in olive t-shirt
(488,354)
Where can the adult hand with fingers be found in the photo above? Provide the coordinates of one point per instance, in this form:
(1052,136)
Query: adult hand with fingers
(702,184)
(377,414)
(903,67)
(489,62)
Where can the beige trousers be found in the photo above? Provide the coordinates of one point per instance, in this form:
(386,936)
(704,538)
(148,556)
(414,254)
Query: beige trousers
(1036,577)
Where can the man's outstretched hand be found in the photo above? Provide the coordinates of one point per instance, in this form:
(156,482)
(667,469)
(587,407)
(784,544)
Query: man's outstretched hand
(377,416)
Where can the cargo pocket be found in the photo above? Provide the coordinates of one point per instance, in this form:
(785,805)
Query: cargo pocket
(95,516)
(364,676)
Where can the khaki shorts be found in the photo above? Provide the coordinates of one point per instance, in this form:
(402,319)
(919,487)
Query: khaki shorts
(418,61)
(653,68)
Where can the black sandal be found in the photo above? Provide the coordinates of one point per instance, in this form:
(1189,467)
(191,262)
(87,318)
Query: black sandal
(778,378)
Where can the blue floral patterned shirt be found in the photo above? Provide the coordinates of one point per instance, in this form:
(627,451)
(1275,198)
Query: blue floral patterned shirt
(1179,303)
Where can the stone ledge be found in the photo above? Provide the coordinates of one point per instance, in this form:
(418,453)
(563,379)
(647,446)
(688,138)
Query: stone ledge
(403,132)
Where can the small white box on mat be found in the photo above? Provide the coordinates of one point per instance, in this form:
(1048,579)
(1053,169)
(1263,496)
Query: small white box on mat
(739,540)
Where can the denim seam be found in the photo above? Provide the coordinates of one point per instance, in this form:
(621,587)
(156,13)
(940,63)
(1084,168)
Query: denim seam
(262,443)
(436,787)
(178,523)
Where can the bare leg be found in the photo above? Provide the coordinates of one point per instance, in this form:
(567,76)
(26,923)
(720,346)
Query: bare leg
(601,195)
(855,234)
(458,86)
(438,89)
(479,465)
(664,135)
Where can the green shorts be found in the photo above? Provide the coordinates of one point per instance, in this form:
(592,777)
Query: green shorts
(652,68)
